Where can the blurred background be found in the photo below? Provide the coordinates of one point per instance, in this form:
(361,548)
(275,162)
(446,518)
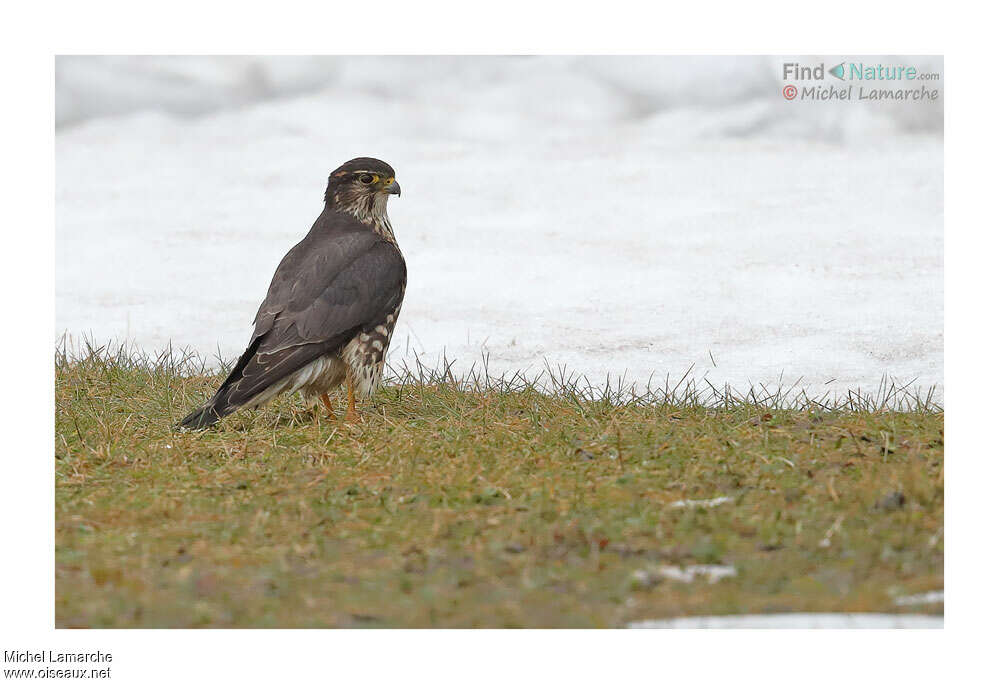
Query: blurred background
(621,216)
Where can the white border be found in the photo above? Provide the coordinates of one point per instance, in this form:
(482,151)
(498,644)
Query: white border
(37,32)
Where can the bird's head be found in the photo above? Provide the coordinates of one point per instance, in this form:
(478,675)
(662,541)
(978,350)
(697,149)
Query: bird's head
(361,187)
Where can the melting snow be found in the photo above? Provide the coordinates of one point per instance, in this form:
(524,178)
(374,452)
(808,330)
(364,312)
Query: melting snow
(798,621)
(712,573)
(700,503)
(622,216)
(920,599)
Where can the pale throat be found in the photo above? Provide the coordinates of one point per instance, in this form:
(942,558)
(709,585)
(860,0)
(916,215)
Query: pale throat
(369,208)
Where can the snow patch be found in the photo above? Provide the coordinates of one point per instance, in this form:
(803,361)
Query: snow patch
(687,574)
(625,226)
(700,503)
(920,599)
(797,621)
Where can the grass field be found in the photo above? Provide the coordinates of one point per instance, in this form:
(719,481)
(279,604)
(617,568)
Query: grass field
(456,505)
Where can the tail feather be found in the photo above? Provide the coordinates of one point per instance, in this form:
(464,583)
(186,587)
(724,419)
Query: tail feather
(205,417)
(219,406)
(254,374)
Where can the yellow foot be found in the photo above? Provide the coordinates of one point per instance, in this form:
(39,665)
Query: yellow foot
(325,398)
(351,416)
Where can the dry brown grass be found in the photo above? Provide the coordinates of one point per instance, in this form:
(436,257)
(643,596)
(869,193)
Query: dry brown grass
(464,505)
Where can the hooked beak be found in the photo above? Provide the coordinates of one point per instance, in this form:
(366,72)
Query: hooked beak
(394,189)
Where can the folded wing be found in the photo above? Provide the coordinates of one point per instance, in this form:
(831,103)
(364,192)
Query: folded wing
(326,290)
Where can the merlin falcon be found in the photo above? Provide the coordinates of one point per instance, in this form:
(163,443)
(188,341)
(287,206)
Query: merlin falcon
(331,307)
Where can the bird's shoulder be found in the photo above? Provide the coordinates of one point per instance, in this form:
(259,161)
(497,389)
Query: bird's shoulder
(339,255)
(331,241)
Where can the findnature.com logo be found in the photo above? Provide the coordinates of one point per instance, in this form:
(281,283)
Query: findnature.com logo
(871,82)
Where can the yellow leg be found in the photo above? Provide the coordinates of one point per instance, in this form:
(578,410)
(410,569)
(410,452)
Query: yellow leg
(351,416)
(325,398)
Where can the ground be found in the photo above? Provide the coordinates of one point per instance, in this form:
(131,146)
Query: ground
(481,506)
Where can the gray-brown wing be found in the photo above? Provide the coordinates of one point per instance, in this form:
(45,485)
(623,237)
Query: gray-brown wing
(353,288)
(308,270)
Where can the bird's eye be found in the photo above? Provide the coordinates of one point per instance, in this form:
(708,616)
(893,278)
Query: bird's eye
(367,178)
